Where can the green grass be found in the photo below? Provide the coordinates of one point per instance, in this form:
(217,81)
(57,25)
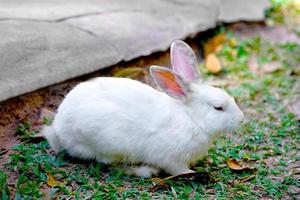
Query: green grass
(4,191)
(269,143)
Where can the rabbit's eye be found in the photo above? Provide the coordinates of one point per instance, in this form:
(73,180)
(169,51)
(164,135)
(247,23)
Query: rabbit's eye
(219,108)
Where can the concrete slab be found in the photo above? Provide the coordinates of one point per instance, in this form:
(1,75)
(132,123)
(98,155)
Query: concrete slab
(44,42)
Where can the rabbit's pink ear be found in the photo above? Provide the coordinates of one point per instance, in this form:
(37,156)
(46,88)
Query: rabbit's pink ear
(170,82)
(184,61)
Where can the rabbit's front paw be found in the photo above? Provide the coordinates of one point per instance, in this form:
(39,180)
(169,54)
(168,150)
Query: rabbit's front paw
(142,171)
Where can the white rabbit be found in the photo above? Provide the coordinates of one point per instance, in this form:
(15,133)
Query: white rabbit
(123,120)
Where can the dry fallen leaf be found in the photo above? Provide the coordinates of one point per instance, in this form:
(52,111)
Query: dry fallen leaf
(174,193)
(160,183)
(290,11)
(156,180)
(129,72)
(236,165)
(271,67)
(294,107)
(3,151)
(106,190)
(253,64)
(213,64)
(46,113)
(52,182)
(219,83)
(218,48)
(264,68)
(214,44)
(247,178)
(121,189)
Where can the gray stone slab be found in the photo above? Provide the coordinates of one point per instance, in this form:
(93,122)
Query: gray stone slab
(44,42)
(242,10)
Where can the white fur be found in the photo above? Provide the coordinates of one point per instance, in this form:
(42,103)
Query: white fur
(142,171)
(123,120)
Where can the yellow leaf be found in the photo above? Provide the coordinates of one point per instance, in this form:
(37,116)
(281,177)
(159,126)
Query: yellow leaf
(52,182)
(235,165)
(232,42)
(213,64)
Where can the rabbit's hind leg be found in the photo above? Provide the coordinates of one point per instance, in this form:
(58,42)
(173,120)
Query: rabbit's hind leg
(80,151)
(177,168)
(142,171)
(104,160)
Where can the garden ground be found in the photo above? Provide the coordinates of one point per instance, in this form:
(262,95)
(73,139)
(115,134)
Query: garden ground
(261,160)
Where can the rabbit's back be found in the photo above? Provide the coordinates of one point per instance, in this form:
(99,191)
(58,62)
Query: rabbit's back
(120,97)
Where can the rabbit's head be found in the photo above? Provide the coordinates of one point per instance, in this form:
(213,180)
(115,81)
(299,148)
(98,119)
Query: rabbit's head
(211,108)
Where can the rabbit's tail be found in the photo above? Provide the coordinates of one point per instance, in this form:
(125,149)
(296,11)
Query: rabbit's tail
(50,134)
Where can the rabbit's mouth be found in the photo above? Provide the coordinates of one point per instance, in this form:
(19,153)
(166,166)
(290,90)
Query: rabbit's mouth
(232,127)
(216,134)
